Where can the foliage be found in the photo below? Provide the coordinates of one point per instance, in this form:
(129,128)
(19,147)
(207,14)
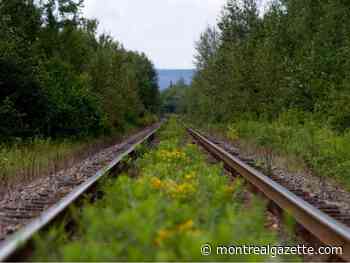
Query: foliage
(58,79)
(23,161)
(173,98)
(294,56)
(34,157)
(232,132)
(177,204)
(207,47)
(280,78)
(326,152)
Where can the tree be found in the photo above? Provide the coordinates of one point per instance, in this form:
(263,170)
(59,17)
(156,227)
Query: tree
(206,48)
(174,98)
(294,56)
(58,79)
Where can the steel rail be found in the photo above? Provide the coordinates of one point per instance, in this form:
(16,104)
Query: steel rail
(325,228)
(14,242)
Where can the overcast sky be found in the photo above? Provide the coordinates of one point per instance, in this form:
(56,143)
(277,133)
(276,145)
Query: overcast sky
(164,29)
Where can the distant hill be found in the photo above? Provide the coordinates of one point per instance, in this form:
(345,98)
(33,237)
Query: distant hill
(166,76)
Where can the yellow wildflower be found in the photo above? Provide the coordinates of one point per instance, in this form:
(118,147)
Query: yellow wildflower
(156,183)
(170,184)
(190,176)
(165,234)
(170,155)
(186,188)
(186,225)
(162,235)
(181,190)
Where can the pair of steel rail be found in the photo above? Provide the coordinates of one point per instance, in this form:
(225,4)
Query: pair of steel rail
(328,230)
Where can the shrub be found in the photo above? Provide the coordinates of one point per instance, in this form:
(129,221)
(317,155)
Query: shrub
(325,151)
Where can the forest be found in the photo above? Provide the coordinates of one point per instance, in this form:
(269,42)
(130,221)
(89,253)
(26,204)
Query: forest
(59,78)
(278,78)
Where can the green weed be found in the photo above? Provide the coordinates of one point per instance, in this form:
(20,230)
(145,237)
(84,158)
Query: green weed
(177,204)
(326,152)
(23,162)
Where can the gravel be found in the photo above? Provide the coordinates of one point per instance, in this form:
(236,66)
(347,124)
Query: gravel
(320,188)
(28,201)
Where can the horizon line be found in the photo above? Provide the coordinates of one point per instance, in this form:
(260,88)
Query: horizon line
(175,69)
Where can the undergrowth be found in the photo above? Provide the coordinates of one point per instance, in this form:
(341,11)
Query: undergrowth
(175,204)
(301,139)
(25,161)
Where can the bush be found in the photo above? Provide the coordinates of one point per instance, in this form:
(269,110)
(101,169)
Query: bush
(325,151)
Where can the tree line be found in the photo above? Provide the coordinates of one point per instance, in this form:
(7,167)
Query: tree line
(58,78)
(293,57)
(173,98)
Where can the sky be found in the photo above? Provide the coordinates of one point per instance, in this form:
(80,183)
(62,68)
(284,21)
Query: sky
(165,30)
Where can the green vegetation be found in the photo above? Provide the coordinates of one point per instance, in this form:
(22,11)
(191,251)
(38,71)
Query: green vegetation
(58,79)
(296,146)
(62,86)
(173,98)
(36,158)
(294,56)
(175,204)
(280,78)
(327,153)
(22,162)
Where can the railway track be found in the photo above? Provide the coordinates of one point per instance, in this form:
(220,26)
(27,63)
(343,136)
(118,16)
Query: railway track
(324,221)
(24,218)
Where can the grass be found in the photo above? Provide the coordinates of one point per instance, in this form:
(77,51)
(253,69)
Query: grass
(175,204)
(24,162)
(298,142)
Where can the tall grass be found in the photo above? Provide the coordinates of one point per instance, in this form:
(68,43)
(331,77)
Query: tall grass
(302,140)
(21,163)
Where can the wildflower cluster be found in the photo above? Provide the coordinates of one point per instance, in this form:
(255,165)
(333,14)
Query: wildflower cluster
(181,189)
(171,155)
(165,234)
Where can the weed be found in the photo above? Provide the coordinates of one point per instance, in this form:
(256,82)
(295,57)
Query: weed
(298,144)
(177,204)
(22,163)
